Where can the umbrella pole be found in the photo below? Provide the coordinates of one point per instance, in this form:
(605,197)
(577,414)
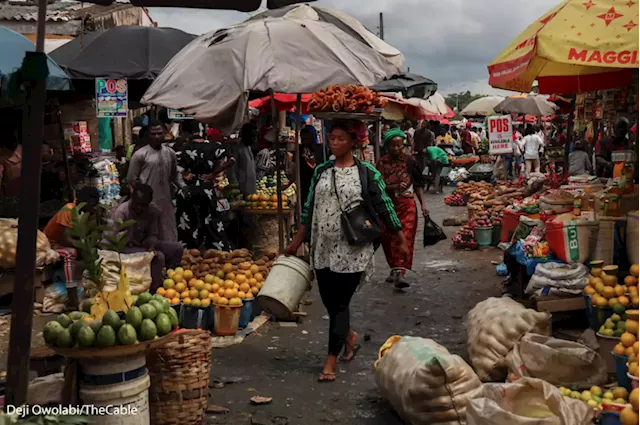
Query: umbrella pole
(298,158)
(379,138)
(276,124)
(569,139)
(36,71)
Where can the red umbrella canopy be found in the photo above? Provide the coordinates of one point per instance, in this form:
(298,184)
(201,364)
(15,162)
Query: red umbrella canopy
(240,5)
(284,102)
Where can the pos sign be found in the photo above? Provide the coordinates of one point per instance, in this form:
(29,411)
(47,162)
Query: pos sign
(500,134)
(111,97)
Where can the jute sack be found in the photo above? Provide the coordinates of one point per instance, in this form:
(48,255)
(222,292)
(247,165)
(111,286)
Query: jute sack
(137,265)
(494,326)
(527,401)
(557,361)
(425,383)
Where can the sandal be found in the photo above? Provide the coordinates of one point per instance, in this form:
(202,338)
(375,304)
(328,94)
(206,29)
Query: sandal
(351,354)
(401,283)
(327,377)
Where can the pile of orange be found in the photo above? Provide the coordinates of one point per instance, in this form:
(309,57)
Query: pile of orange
(606,291)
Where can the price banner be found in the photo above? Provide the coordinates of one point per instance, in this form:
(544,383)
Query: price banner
(500,134)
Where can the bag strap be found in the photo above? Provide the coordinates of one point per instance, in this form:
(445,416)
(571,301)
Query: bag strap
(335,188)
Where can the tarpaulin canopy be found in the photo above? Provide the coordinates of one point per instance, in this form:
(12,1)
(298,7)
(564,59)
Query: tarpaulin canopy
(211,78)
(575,47)
(410,85)
(130,51)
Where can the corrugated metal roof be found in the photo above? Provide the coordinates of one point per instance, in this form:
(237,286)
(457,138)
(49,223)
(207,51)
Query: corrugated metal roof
(58,11)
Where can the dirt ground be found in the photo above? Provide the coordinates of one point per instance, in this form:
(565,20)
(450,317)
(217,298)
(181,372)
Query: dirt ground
(283,362)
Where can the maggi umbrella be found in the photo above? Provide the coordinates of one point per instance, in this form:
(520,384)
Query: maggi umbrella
(579,45)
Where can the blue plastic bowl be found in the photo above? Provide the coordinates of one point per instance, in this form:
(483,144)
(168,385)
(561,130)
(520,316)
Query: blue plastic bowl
(246,313)
(621,371)
(609,418)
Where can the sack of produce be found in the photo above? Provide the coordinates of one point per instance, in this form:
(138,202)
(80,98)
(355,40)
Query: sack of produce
(558,279)
(557,361)
(9,242)
(56,297)
(137,266)
(494,326)
(571,239)
(527,401)
(424,382)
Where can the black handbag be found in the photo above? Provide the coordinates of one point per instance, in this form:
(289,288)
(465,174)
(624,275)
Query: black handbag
(358,224)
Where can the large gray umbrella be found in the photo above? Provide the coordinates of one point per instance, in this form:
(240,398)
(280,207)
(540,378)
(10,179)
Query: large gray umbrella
(340,20)
(240,5)
(529,104)
(481,107)
(410,85)
(212,76)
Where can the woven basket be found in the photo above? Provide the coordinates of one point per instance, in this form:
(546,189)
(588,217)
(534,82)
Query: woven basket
(179,372)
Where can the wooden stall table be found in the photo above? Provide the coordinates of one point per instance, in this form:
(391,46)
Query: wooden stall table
(264,235)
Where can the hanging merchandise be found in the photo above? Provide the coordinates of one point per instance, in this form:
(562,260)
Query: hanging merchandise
(100,171)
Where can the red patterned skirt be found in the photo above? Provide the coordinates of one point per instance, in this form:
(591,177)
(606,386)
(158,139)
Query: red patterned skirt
(407,212)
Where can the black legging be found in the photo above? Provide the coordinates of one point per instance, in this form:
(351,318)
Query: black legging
(336,290)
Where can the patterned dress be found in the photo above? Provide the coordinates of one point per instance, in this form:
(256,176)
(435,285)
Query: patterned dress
(200,216)
(329,246)
(394,172)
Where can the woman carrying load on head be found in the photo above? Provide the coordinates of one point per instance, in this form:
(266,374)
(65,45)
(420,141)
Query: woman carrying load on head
(342,184)
(404,181)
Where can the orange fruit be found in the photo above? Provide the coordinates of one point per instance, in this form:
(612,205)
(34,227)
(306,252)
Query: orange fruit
(633,290)
(608,292)
(175,301)
(254,290)
(204,294)
(177,277)
(630,280)
(589,290)
(209,278)
(227,268)
(613,301)
(629,351)
(221,292)
(245,287)
(240,279)
(624,301)
(602,302)
(627,339)
(596,271)
(188,275)
(619,290)
(248,296)
(254,269)
(628,417)
(192,282)
(619,349)
(633,271)
(184,294)
(193,293)
(241,295)
(180,287)
(161,291)
(171,293)
(168,283)
(634,299)
(636,348)
(610,280)
(258,277)
(186,301)
(212,295)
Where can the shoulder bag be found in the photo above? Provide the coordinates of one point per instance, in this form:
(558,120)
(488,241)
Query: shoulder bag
(358,224)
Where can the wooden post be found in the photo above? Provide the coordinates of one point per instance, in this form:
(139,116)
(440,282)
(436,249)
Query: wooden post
(24,283)
(276,127)
(379,137)
(567,143)
(297,159)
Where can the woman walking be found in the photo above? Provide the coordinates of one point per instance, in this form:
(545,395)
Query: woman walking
(199,219)
(403,179)
(341,185)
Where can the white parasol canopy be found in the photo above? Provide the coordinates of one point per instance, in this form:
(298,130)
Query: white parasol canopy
(212,76)
(481,107)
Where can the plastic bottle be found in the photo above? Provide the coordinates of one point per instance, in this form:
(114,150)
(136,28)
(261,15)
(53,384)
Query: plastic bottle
(588,205)
(577,205)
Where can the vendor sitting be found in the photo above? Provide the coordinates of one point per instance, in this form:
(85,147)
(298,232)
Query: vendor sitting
(56,232)
(145,235)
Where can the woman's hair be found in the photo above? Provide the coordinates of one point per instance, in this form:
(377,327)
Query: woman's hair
(529,130)
(191,126)
(579,146)
(346,126)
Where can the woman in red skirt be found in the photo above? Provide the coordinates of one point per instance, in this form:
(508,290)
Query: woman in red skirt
(404,182)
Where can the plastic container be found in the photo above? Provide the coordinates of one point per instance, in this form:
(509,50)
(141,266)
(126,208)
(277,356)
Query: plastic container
(509,224)
(287,282)
(633,381)
(606,344)
(246,313)
(621,371)
(495,236)
(589,309)
(632,237)
(226,319)
(484,235)
(609,418)
(196,317)
(131,397)
(116,381)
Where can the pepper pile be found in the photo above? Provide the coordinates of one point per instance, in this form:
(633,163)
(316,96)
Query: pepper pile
(347,98)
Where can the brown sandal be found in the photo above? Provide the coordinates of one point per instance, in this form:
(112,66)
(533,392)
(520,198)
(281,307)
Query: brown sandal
(327,377)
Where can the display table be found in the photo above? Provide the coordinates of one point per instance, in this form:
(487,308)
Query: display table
(557,303)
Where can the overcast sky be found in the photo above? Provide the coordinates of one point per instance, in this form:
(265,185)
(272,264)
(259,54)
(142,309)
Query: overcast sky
(449,41)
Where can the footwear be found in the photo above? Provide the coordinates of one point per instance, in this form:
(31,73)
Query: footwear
(351,354)
(393,277)
(401,283)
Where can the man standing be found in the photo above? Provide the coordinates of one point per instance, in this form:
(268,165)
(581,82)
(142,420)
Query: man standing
(607,145)
(467,139)
(156,165)
(145,235)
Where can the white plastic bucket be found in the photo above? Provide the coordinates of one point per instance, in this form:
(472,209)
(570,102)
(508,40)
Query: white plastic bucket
(288,280)
(131,398)
(632,237)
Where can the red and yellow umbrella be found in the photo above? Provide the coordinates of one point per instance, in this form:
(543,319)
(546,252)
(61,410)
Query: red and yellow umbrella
(579,45)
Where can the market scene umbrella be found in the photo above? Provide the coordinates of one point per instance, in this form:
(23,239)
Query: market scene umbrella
(527,104)
(410,85)
(239,5)
(341,21)
(481,107)
(102,53)
(14,46)
(212,76)
(435,107)
(575,47)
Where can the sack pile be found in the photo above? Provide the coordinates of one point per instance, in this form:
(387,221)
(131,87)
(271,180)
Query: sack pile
(424,382)
(137,266)
(557,361)
(558,279)
(9,242)
(55,299)
(526,402)
(494,326)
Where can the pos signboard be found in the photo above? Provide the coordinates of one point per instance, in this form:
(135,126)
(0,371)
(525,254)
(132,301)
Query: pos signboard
(112,98)
(500,134)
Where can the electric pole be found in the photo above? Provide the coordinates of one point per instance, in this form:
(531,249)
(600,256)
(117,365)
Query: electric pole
(381,27)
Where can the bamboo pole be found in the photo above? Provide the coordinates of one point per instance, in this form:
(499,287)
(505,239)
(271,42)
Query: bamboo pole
(297,159)
(276,124)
